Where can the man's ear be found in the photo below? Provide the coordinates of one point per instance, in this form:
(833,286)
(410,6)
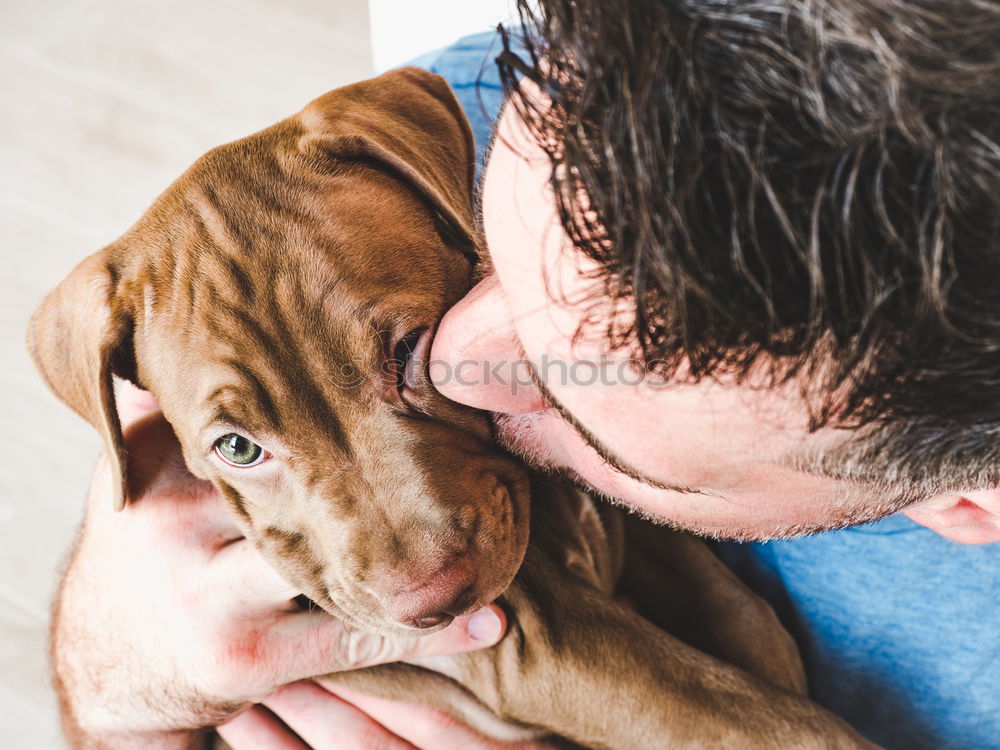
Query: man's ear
(968,517)
(409,120)
(79,338)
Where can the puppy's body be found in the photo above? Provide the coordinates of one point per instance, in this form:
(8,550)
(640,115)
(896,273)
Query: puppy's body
(265,298)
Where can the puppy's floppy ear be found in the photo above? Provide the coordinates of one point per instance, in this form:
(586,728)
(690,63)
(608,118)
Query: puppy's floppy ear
(409,119)
(79,337)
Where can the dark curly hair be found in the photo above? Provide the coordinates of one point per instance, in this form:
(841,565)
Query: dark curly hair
(809,188)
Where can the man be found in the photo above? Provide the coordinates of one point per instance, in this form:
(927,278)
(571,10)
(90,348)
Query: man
(749,251)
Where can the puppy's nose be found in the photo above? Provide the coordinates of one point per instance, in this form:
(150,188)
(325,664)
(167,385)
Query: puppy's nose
(437,598)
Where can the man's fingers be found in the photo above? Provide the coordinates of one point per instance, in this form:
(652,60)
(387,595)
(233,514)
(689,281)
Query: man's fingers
(258,729)
(422,726)
(426,727)
(328,723)
(306,644)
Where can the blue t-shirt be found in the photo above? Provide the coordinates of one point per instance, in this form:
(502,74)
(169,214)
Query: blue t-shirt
(899,628)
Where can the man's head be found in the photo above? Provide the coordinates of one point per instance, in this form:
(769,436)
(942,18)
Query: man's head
(782,219)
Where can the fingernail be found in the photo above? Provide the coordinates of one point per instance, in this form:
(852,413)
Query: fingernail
(484,626)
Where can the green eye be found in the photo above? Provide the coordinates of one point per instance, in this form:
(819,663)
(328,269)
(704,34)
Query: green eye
(237,450)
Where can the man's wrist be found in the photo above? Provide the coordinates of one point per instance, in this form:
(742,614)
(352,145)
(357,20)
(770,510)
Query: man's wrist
(95,710)
(81,737)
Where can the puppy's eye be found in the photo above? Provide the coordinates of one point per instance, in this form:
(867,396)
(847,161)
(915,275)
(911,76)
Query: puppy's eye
(408,355)
(236,450)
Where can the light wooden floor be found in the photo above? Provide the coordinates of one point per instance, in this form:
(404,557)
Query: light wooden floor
(102,104)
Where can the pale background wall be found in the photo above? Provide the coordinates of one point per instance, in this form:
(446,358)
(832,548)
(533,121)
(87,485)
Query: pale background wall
(102,104)
(440,22)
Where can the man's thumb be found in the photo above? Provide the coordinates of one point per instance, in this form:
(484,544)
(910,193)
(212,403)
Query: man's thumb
(478,630)
(312,643)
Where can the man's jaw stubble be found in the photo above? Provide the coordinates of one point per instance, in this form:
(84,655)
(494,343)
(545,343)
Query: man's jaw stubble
(519,434)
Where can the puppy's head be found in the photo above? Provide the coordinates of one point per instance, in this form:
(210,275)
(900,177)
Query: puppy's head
(279,300)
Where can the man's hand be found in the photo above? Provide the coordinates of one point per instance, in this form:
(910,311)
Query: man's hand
(325,716)
(168,620)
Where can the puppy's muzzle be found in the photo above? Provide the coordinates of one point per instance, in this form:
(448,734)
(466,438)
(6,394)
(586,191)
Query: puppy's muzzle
(428,599)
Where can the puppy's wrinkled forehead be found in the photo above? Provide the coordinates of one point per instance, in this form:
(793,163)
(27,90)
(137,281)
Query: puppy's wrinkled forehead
(289,258)
(298,282)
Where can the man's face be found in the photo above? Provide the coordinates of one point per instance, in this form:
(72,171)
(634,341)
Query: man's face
(712,457)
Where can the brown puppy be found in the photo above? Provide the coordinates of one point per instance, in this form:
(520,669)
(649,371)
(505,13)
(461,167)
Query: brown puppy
(278,299)
(265,295)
